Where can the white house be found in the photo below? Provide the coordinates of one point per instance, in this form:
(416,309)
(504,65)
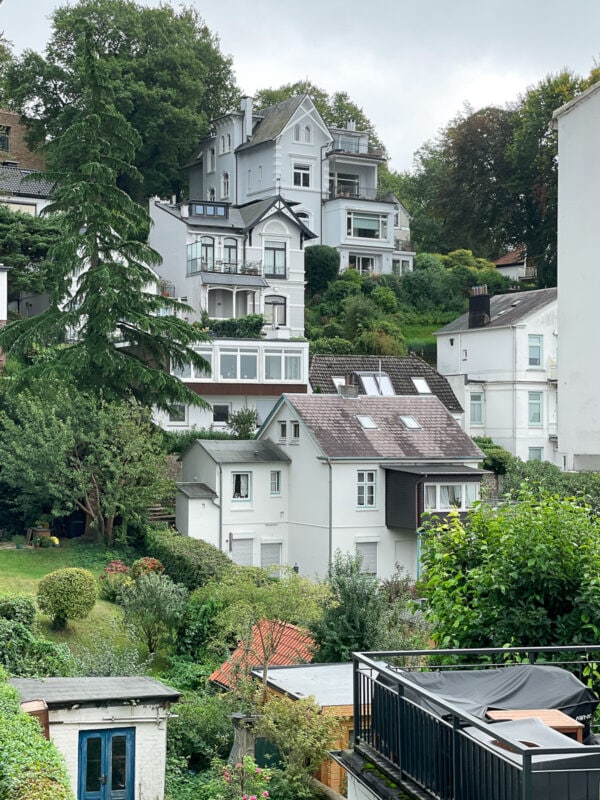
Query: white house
(578,125)
(112,732)
(500,359)
(363,470)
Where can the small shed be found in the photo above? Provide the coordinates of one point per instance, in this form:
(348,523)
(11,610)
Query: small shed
(112,732)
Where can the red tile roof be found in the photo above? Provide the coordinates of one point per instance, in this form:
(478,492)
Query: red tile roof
(517,256)
(293,646)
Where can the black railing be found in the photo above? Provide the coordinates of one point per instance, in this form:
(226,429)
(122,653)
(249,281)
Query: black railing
(453,755)
(404,244)
(338,192)
(224,267)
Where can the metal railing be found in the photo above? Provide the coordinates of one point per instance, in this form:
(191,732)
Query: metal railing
(339,192)
(396,729)
(225,267)
(404,244)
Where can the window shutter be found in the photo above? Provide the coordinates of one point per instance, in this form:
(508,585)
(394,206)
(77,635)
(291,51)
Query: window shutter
(270,554)
(368,551)
(241,551)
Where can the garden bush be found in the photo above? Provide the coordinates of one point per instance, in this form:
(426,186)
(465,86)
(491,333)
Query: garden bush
(26,656)
(114,580)
(145,565)
(191,562)
(202,730)
(19,608)
(153,606)
(68,593)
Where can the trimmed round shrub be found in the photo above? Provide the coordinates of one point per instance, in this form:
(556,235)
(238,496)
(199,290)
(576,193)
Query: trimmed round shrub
(65,594)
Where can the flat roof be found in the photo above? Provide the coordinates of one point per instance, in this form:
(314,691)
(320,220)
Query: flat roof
(329,684)
(62,692)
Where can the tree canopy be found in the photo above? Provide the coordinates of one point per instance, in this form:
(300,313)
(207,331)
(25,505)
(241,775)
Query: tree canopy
(166,73)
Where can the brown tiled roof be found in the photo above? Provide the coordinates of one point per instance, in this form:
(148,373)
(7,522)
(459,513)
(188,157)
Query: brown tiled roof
(293,646)
(400,369)
(517,256)
(333,422)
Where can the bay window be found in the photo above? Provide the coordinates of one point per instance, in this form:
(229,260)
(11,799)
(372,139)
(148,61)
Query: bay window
(363,225)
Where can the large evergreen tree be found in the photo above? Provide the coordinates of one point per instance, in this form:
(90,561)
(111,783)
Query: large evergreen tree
(125,336)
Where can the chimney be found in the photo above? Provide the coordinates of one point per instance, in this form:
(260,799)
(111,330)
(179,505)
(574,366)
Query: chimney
(246,107)
(479,307)
(351,125)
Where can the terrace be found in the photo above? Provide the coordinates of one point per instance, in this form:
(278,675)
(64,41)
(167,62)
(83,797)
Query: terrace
(439,742)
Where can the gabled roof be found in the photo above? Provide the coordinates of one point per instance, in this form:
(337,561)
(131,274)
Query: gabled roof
(247,451)
(517,256)
(400,369)
(567,107)
(12,181)
(253,213)
(333,423)
(273,121)
(505,310)
(63,692)
(294,645)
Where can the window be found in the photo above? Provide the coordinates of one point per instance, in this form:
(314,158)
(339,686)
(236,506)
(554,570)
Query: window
(178,413)
(365,489)
(302,175)
(238,364)
(410,423)
(228,142)
(211,194)
(270,554)
(242,550)
(307,134)
(225,185)
(230,250)
(535,350)
(295,432)
(446,496)
(376,384)
(275,481)
(283,431)
(366,226)
(297,132)
(211,160)
(363,264)
(182,372)
(220,413)
(536,454)
(476,406)
(207,252)
(275,309)
(283,365)
(344,185)
(275,259)
(4,138)
(535,409)
(396,267)
(366,422)
(368,553)
(405,266)
(242,485)
(222,144)
(421,385)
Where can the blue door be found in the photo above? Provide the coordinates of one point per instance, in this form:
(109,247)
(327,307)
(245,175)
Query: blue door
(106,764)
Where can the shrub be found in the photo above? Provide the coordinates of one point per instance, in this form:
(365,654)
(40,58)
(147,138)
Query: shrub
(112,586)
(201,731)
(153,606)
(19,608)
(68,593)
(244,422)
(198,624)
(497,458)
(146,565)
(22,654)
(191,562)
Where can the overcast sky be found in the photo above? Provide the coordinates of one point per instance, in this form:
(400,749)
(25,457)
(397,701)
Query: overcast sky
(410,65)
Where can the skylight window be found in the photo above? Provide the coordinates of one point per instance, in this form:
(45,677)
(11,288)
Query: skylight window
(410,423)
(376,384)
(367,422)
(421,385)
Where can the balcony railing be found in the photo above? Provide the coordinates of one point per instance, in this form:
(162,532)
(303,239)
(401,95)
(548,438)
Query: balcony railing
(337,192)
(353,146)
(405,245)
(226,267)
(448,755)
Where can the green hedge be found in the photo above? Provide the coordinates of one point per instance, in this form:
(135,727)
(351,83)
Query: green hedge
(192,562)
(31,768)
(22,654)
(18,608)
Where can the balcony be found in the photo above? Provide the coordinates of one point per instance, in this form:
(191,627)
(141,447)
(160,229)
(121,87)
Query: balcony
(353,193)
(355,146)
(404,245)
(439,742)
(226,267)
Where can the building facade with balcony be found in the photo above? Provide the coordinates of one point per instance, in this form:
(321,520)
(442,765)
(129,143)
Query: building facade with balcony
(501,362)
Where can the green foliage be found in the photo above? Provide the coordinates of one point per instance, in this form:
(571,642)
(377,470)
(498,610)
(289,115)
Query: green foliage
(242,780)
(196,635)
(248,327)
(523,573)
(321,266)
(146,565)
(176,442)
(243,423)
(497,458)
(302,734)
(165,72)
(65,594)
(352,618)
(152,607)
(191,562)
(126,336)
(109,654)
(25,655)
(31,767)
(18,608)
(336,346)
(201,731)
(542,476)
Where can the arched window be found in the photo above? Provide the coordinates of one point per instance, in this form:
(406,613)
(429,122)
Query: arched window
(297,132)
(307,134)
(210,193)
(228,142)
(275,309)
(304,216)
(230,249)
(207,252)
(210,164)
(225,185)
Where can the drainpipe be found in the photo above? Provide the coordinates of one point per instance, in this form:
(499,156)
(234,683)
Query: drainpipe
(330,511)
(514,390)
(420,483)
(220,508)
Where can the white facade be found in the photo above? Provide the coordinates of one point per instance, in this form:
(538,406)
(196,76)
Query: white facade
(504,376)
(578,125)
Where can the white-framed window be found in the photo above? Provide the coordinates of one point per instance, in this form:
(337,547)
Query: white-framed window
(535,454)
(211,161)
(367,422)
(535,347)
(236,363)
(409,422)
(211,193)
(307,134)
(207,355)
(368,553)
(477,408)
(405,266)
(275,307)
(178,414)
(283,365)
(230,251)
(421,385)
(446,496)
(283,431)
(364,225)
(226,143)
(297,130)
(225,185)
(363,264)
(366,484)
(270,554)
(535,409)
(295,432)
(301,176)
(221,412)
(242,550)
(275,259)
(275,481)
(242,485)
(183,373)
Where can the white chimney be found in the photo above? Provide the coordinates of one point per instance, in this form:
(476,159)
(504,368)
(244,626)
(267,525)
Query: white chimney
(185,210)
(246,107)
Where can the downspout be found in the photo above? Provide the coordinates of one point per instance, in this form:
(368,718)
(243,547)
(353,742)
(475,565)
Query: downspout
(330,521)
(419,484)
(514,391)
(220,508)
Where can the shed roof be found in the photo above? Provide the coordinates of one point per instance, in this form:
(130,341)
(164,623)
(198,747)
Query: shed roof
(62,692)
(505,310)
(235,451)
(15,180)
(196,491)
